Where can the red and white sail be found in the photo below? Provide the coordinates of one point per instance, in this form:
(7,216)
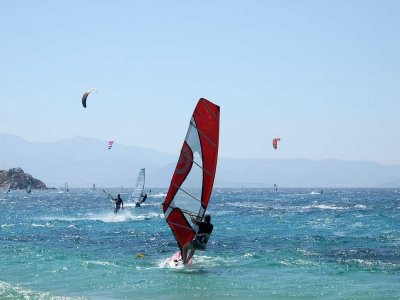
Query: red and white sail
(193,179)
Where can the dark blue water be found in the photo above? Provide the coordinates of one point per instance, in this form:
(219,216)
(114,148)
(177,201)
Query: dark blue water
(293,243)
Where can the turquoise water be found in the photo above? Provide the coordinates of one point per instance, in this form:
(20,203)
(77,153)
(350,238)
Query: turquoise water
(293,243)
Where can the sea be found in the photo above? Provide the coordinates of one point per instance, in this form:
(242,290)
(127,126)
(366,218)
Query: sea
(285,244)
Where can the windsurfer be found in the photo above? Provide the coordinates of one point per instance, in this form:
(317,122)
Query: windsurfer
(118,202)
(200,240)
(143,198)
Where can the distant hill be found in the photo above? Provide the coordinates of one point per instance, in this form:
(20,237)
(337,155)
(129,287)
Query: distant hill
(82,161)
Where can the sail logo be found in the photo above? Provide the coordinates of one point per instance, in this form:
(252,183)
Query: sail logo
(185,160)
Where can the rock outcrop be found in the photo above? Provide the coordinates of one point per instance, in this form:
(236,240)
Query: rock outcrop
(16,178)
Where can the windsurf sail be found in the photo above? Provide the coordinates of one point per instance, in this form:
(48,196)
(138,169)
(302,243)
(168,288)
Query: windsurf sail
(193,179)
(29,188)
(275,142)
(139,186)
(110,144)
(66,187)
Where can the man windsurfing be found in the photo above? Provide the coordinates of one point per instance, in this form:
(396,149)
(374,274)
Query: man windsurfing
(200,240)
(184,205)
(143,198)
(118,202)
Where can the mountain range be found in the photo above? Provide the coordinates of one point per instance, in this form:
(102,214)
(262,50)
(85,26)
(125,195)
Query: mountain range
(83,161)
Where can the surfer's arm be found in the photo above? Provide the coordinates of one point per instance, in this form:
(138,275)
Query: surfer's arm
(193,219)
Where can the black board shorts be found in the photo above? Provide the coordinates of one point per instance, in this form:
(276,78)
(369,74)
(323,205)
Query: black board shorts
(197,245)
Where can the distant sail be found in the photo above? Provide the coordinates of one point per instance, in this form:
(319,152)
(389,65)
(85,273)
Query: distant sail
(29,188)
(110,144)
(193,179)
(139,186)
(275,142)
(94,187)
(85,95)
(66,187)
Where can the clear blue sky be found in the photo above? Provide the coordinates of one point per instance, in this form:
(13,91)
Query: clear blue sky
(322,75)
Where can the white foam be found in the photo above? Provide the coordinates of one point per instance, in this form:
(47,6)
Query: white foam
(159,195)
(168,264)
(324,206)
(360,206)
(87,263)
(129,204)
(174,262)
(208,261)
(108,217)
(252,254)
(363,262)
(8,291)
(40,225)
(6,225)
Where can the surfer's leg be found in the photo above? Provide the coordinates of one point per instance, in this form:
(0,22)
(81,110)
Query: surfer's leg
(183,254)
(191,253)
(184,251)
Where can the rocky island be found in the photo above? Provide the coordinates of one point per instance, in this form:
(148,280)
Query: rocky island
(17,179)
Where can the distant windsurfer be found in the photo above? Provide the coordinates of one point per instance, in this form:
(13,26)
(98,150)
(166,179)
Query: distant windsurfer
(29,188)
(118,202)
(200,240)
